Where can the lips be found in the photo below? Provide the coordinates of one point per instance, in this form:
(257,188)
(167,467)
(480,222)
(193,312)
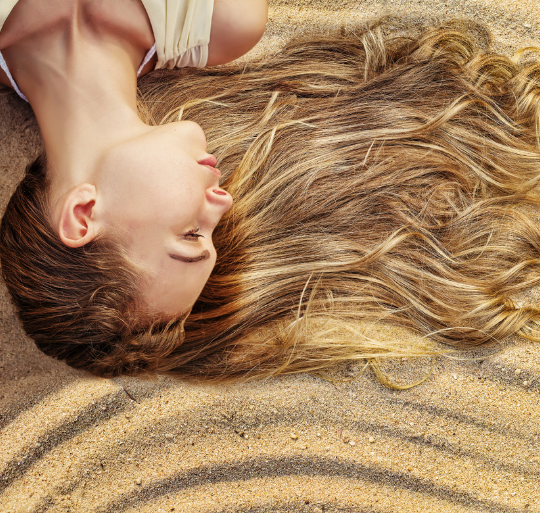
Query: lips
(209,162)
(212,169)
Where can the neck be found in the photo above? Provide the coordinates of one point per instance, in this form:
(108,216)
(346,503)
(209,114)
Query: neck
(83,92)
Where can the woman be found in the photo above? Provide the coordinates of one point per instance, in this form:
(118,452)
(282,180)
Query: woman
(76,62)
(377,178)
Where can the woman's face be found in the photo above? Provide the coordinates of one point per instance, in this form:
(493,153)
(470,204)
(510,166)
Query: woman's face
(162,190)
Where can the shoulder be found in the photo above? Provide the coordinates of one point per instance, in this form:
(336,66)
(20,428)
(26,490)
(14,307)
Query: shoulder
(237,26)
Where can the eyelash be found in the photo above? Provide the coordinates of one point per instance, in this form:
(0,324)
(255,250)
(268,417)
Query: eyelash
(193,233)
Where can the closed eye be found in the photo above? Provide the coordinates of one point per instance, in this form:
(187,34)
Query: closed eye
(203,256)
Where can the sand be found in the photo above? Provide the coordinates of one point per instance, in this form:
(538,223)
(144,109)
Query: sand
(465,440)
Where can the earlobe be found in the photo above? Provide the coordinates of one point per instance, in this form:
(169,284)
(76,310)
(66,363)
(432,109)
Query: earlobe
(77,225)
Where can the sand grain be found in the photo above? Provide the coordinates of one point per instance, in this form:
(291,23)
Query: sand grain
(466,440)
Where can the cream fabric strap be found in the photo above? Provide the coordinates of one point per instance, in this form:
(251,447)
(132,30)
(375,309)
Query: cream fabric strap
(3,65)
(147,57)
(6,6)
(182,31)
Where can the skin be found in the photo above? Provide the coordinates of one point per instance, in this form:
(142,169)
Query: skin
(76,61)
(170,200)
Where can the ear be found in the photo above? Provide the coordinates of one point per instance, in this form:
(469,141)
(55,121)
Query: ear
(77,225)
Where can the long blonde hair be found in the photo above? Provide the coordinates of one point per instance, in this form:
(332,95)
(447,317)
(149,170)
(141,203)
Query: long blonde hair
(378,180)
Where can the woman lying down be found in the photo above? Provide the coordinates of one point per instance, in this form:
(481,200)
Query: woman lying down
(377,177)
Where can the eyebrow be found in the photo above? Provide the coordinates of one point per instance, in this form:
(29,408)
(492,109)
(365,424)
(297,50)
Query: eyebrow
(203,256)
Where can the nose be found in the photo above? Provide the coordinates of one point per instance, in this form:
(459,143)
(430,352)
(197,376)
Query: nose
(219,199)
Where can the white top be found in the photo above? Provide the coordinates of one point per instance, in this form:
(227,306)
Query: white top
(181,30)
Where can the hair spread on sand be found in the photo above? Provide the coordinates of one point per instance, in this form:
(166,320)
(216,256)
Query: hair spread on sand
(377,179)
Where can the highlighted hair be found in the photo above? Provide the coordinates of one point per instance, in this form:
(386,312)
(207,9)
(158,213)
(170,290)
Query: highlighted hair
(377,179)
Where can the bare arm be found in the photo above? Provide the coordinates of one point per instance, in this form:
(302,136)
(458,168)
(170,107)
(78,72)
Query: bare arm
(237,26)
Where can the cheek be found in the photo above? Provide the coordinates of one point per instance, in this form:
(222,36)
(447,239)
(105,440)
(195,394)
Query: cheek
(203,274)
(175,287)
(209,269)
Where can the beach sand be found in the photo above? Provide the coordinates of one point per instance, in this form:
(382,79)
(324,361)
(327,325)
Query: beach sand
(465,440)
